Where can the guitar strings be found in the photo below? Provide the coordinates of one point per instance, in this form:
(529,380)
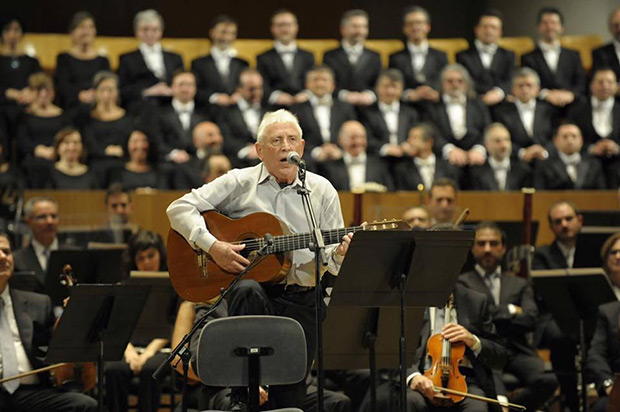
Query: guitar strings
(284,243)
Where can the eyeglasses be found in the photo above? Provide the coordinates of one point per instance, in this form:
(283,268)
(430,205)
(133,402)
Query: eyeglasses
(279,141)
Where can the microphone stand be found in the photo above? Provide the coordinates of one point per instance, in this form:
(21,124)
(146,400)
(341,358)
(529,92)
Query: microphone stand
(181,349)
(320,258)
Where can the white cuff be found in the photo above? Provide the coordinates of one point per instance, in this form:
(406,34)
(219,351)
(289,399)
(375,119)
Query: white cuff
(316,152)
(512,309)
(543,94)
(371,94)
(342,94)
(273,97)
(477,346)
(172,153)
(480,148)
(244,152)
(213,98)
(201,239)
(410,378)
(384,149)
(445,151)
(500,90)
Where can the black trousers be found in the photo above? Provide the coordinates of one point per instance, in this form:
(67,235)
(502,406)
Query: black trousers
(40,398)
(249,297)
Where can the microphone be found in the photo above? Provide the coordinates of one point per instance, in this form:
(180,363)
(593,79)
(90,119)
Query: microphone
(294,159)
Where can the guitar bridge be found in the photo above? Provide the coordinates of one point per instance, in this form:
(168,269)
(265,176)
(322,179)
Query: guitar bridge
(202,263)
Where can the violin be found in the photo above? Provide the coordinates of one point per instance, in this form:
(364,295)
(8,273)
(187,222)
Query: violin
(75,377)
(444,370)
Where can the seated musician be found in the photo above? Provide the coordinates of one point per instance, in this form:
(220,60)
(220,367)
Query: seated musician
(145,252)
(514,312)
(26,325)
(603,356)
(271,186)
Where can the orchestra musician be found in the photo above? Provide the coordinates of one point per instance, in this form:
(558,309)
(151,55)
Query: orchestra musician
(26,325)
(271,186)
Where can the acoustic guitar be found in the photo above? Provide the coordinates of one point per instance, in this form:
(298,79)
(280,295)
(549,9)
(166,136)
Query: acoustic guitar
(197,278)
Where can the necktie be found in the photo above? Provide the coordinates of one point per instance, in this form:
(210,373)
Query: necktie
(492,281)
(7,349)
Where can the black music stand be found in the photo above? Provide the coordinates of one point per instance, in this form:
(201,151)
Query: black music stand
(96,326)
(573,297)
(399,269)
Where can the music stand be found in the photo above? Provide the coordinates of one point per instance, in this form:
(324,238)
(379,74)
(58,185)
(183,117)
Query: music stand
(570,295)
(399,269)
(92,266)
(96,326)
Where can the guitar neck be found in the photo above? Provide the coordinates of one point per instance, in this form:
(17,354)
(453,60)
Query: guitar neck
(296,241)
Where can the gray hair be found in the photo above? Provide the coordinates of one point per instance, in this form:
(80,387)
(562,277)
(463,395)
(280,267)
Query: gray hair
(31,203)
(456,67)
(103,75)
(525,72)
(279,116)
(148,16)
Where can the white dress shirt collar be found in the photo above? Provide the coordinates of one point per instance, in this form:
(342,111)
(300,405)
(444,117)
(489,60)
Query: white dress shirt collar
(348,159)
(281,48)
(530,105)
(568,253)
(356,49)
(227,53)
(183,107)
(320,101)
(422,48)
(485,48)
(501,165)
(393,107)
(145,48)
(604,105)
(550,47)
(460,100)
(572,159)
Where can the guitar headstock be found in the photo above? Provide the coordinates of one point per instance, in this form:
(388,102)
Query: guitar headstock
(385,224)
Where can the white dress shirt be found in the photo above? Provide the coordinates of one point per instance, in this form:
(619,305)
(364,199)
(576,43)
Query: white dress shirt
(492,280)
(23,363)
(418,56)
(354,52)
(287,53)
(601,115)
(251,116)
(241,192)
(43,253)
(500,170)
(390,116)
(486,53)
(426,168)
(184,111)
(569,253)
(457,111)
(222,60)
(356,167)
(322,109)
(571,162)
(551,53)
(526,114)
(154,59)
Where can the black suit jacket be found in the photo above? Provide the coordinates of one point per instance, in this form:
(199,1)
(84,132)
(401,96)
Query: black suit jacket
(135,76)
(275,75)
(605,56)
(376,171)
(551,257)
(581,114)
(477,119)
(209,80)
(26,261)
(362,76)
(603,359)
(513,290)
(378,133)
(473,313)
(550,174)
(568,76)
(435,61)
(483,178)
(545,119)
(340,113)
(35,321)
(408,177)
(498,75)
(171,132)
(236,133)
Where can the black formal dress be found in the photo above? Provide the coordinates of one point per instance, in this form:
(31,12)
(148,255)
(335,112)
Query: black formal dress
(209,80)
(378,133)
(154,178)
(407,175)
(483,177)
(276,77)
(35,322)
(99,134)
(435,61)
(551,174)
(61,181)
(359,77)
(73,75)
(14,73)
(377,171)
(568,76)
(498,75)
(523,360)
(605,56)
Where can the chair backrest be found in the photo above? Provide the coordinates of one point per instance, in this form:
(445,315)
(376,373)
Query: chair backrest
(219,363)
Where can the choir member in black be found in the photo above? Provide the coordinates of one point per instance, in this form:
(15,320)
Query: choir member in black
(70,171)
(355,168)
(514,313)
(599,119)
(241,120)
(530,121)
(460,119)
(608,55)
(217,73)
(561,74)
(15,70)
(356,68)
(424,167)
(145,252)
(76,68)
(500,171)
(322,116)
(38,126)
(141,169)
(108,125)
(567,168)
(489,65)
(387,120)
(145,74)
(419,63)
(284,67)
(10,176)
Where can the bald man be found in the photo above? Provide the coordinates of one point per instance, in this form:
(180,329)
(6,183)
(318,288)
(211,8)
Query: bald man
(356,167)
